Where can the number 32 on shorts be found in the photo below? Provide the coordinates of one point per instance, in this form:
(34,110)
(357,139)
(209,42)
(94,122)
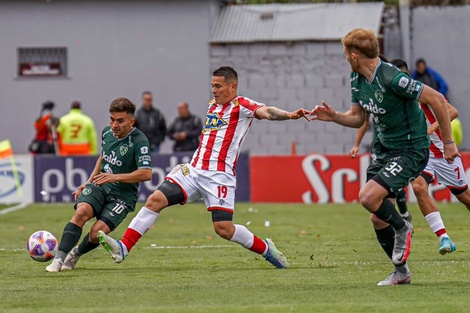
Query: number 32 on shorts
(394,168)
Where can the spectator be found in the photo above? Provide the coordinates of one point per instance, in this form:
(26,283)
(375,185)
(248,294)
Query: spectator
(77,133)
(185,129)
(430,77)
(151,122)
(457,131)
(45,125)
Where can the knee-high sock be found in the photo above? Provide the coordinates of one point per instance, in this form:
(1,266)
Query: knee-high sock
(139,225)
(70,237)
(401,202)
(86,246)
(246,238)
(389,214)
(437,224)
(386,238)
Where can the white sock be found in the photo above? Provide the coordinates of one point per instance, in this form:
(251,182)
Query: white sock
(436,223)
(243,236)
(142,222)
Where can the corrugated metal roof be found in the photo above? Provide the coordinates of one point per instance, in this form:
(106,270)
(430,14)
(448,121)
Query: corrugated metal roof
(293,22)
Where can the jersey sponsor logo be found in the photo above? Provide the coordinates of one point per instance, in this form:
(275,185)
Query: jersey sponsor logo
(123,149)
(108,169)
(184,169)
(403,82)
(379,96)
(372,107)
(413,87)
(144,150)
(145,158)
(213,122)
(112,158)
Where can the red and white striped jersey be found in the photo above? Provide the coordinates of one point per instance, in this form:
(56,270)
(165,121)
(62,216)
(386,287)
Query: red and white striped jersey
(223,134)
(436,149)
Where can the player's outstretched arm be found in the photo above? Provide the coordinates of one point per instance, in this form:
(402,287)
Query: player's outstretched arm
(359,135)
(276,114)
(352,118)
(137,176)
(438,104)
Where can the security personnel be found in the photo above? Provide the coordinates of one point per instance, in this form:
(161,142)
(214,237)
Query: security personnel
(77,133)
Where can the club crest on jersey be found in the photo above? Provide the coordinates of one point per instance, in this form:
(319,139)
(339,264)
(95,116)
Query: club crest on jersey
(379,96)
(86,191)
(213,122)
(123,149)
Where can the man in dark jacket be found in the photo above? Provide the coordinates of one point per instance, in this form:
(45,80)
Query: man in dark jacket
(185,129)
(151,122)
(430,77)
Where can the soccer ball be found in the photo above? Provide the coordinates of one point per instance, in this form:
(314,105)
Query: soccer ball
(42,246)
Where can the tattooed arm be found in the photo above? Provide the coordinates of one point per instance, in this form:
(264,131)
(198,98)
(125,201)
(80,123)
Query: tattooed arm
(275,114)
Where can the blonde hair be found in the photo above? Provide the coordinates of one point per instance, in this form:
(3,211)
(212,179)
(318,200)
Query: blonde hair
(362,40)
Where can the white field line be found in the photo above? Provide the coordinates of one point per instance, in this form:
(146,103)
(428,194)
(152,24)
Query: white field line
(14,208)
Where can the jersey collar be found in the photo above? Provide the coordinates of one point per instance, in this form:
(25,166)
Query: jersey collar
(375,72)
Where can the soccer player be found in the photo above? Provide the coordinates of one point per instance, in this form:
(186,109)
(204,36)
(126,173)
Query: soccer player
(451,175)
(401,195)
(402,146)
(211,172)
(111,191)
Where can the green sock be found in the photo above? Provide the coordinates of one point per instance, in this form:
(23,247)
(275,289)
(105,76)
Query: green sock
(86,246)
(70,237)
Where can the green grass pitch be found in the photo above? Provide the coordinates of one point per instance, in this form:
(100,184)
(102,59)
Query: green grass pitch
(182,266)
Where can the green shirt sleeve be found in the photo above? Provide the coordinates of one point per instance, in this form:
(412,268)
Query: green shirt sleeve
(407,87)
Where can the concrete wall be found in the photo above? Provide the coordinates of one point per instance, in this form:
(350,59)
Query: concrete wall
(115,48)
(291,76)
(441,35)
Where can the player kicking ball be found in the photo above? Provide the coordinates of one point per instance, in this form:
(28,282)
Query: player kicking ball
(211,173)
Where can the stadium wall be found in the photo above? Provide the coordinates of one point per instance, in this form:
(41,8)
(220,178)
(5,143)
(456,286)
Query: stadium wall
(114,48)
(441,35)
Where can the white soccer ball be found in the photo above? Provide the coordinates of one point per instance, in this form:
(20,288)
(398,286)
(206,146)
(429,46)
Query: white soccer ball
(42,246)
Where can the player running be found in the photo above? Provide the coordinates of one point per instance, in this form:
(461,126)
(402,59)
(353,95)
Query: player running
(452,175)
(211,173)
(401,195)
(403,145)
(111,191)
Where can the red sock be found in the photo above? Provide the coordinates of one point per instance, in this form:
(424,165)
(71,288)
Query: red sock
(440,232)
(259,246)
(130,238)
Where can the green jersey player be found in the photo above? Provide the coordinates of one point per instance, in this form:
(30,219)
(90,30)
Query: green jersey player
(111,191)
(402,146)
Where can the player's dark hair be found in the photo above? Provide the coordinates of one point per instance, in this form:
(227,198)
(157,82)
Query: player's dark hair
(400,64)
(227,72)
(122,105)
(420,60)
(146,92)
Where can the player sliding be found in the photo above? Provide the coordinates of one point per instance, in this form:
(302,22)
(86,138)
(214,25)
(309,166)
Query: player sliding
(211,173)
(402,149)
(451,175)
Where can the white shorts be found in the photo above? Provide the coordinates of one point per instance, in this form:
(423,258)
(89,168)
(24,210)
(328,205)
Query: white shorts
(217,189)
(451,175)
